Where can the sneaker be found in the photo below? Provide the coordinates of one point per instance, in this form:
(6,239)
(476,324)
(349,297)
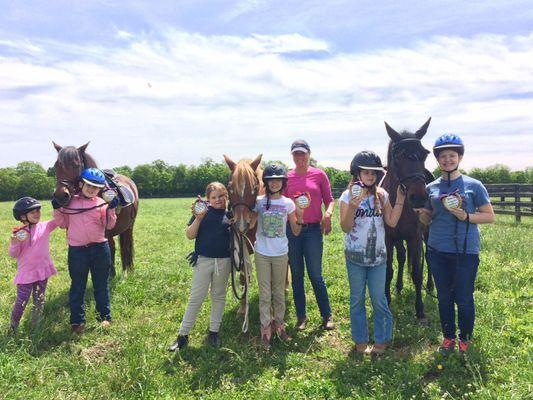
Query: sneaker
(213,339)
(180,343)
(301,323)
(447,346)
(327,323)
(77,328)
(105,324)
(463,346)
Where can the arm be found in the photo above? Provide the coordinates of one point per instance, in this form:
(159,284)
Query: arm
(15,247)
(483,215)
(347,211)
(392,215)
(329,204)
(192,230)
(296,219)
(60,219)
(109,216)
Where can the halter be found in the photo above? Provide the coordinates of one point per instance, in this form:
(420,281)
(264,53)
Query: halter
(419,155)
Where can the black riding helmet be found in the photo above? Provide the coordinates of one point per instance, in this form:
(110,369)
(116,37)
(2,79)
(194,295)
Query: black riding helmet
(274,171)
(365,160)
(23,206)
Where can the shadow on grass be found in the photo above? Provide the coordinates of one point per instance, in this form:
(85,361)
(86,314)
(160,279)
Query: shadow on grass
(241,358)
(411,367)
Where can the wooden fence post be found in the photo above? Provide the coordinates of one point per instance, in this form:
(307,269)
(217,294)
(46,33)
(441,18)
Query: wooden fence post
(517,202)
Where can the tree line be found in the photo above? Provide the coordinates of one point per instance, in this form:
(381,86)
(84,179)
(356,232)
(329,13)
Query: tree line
(160,179)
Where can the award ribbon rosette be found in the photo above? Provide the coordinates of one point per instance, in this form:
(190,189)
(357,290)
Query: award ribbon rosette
(108,195)
(21,233)
(200,206)
(302,200)
(451,200)
(357,189)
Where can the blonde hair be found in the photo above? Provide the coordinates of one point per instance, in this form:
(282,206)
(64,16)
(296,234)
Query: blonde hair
(215,186)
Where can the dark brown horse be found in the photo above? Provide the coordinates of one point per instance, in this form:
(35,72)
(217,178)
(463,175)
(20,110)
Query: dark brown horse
(405,167)
(245,184)
(71,161)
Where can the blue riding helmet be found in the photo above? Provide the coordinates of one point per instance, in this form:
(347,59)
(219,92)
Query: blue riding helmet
(448,141)
(93,176)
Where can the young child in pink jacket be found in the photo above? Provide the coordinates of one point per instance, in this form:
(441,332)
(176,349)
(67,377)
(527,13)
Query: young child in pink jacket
(30,246)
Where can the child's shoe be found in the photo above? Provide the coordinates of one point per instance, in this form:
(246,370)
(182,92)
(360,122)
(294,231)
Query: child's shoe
(447,346)
(105,324)
(213,339)
(463,346)
(77,328)
(180,343)
(362,348)
(378,349)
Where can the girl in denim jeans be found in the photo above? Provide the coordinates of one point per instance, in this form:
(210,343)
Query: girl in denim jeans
(364,208)
(88,249)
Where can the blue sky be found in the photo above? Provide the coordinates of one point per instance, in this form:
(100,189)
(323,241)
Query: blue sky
(184,81)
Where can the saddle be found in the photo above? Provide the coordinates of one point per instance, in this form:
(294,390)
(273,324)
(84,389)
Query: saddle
(125,195)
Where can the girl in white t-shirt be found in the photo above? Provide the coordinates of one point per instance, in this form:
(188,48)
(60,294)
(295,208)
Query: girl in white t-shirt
(363,214)
(273,210)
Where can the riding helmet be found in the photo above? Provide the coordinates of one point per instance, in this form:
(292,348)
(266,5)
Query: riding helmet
(274,171)
(448,141)
(365,160)
(23,206)
(93,176)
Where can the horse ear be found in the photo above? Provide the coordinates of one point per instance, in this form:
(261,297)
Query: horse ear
(395,136)
(82,149)
(57,147)
(423,129)
(230,162)
(255,163)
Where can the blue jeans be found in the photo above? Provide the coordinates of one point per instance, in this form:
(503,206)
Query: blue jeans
(455,285)
(309,246)
(359,277)
(95,258)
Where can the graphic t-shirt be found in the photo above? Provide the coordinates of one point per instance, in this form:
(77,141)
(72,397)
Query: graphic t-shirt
(365,243)
(271,239)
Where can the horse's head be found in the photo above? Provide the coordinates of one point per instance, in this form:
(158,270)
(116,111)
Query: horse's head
(70,163)
(405,161)
(243,187)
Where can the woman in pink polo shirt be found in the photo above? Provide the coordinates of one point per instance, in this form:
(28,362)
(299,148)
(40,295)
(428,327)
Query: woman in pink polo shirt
(306,249)
(87,218)
(30,246)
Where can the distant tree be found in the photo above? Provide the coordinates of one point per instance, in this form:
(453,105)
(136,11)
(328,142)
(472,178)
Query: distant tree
(124,170)
(9,179)
(30,167)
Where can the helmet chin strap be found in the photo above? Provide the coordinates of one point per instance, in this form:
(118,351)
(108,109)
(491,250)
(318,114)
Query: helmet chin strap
(450,175)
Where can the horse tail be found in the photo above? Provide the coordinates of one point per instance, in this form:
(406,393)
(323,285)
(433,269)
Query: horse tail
(126,249)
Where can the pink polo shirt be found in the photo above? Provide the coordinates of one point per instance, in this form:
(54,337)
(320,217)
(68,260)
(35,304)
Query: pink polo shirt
(33,255)
(86,227)
(316,183)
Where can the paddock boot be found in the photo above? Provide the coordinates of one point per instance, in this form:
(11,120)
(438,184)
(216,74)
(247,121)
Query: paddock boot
(180,343)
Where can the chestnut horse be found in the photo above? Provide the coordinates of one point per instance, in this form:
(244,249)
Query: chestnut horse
(405,168)
(71,161)
(245,184)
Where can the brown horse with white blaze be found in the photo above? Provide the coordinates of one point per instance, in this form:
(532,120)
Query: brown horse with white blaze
(70,163)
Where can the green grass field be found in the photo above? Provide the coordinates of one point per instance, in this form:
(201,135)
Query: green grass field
(130,361)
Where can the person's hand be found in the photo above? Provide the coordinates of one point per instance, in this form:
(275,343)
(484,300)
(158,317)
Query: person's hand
(113,203)
(354,202)
(325,224)
(458,213)
(55,204)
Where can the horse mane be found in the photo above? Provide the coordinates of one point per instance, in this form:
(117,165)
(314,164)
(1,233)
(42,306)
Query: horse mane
(244,174)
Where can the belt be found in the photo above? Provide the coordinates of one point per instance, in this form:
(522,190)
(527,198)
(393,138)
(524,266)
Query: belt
(311,225)
(84,246)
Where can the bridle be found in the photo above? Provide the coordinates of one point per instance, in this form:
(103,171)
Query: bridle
(398,151)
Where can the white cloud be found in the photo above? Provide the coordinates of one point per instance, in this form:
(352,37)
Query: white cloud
(190,96)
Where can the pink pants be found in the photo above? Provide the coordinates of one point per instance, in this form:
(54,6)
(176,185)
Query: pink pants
(24,291)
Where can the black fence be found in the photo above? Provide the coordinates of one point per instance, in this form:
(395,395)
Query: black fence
(512,199)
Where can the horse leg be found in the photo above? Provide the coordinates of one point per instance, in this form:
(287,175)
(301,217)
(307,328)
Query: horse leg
(429,285)
(390,257)
(414,248)
(400,256)
(126,250)
(112,248)
(242,305)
